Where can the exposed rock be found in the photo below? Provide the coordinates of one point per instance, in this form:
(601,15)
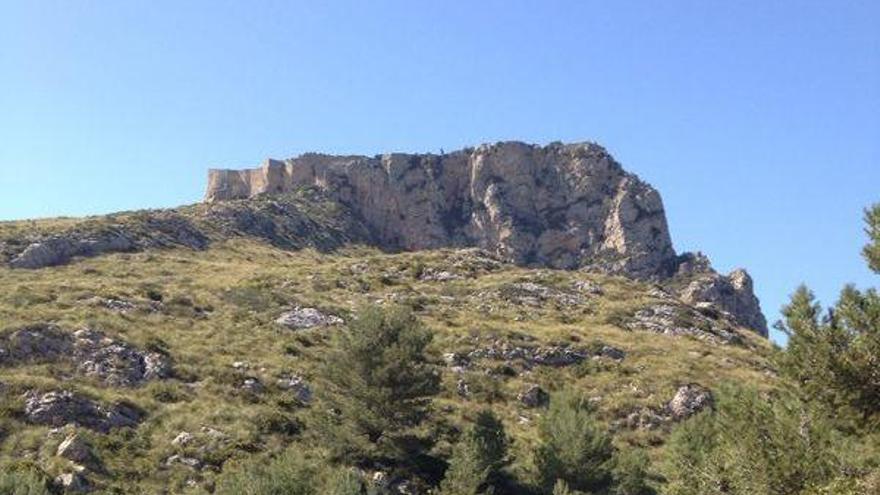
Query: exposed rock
(75,449)
(502,350)
(644,419)
(677,320)
(93,353)
(689,400)
(73,483)
(301,390)
(561,206)
(182,439)
(302,318)
(431,275)
(253,385)
(59,408)
(156,229)
(533,396)
(190,462)
(612,353)
(117,305)
(456,359)
(117,363)
(461,388)
(534,294)
(732,293)
(35,343)
(59,250)
(589,288)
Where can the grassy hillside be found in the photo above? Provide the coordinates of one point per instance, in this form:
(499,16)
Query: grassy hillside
(212,312)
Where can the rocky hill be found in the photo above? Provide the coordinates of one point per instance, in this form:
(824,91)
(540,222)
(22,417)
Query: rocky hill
(153,351)
(559,206)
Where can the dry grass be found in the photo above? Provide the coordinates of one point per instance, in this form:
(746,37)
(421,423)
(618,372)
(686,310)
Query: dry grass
(219,306)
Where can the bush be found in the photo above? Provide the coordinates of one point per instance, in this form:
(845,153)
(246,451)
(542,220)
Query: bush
(631,473)
(750,445)
(287,474)
(574,448)
(22,479)
(344,482)
(479,458)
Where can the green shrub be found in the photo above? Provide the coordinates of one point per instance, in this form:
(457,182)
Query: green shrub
(752,445)
(22,479)
(479,458)
(631,473)
(574,447)
(288,474)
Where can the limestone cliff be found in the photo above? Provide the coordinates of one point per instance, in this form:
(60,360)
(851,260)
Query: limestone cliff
(561,205)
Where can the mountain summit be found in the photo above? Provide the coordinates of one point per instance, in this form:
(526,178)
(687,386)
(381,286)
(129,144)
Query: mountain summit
(560,206)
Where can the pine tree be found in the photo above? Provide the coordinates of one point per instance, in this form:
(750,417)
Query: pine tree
(479,459)
(378,383)
(631,473)
(872,250)
(835,360)
(467,473)
(574,447)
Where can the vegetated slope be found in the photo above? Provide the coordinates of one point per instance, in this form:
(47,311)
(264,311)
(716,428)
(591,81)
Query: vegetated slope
(193,357)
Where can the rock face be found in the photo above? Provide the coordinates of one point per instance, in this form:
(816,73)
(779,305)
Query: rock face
(732,293)
(562,206)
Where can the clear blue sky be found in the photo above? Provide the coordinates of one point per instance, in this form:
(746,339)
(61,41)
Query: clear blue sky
(758,121)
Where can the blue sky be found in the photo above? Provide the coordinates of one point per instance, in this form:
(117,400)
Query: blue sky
(758,121)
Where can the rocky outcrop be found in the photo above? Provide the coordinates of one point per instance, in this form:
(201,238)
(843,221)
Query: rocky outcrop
(92,353)
(59,408)
(302,318)
(562,206)
(302,219)
(158,229)
(733,294)
(689,400)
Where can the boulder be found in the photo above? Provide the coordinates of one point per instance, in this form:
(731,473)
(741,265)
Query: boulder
(190,462)
(612,353)
(182,439)
(58,408)
(297,385)
(73,483)
(689,400)
(303,318)
(533,396)
(77,450)
(253,385)
(116,362)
